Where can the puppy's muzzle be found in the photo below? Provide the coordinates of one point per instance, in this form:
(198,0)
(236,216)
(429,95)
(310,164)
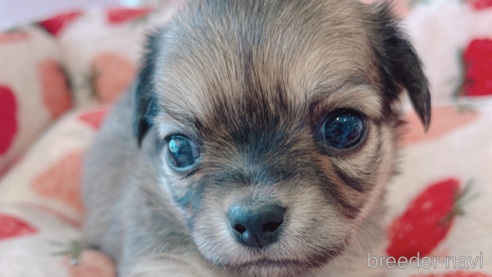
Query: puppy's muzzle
(256,225)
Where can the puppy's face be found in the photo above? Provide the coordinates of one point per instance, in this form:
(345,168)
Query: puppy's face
(276,124)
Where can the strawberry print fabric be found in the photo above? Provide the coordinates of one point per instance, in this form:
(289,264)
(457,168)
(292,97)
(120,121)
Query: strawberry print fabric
(437,207)
(102,49)
(452,38)
(477,65)
(8,118)
(435,204)
(56,24)
(13,227)
(34,90)
(41,209)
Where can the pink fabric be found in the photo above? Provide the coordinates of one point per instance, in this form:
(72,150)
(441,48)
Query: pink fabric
(34,90)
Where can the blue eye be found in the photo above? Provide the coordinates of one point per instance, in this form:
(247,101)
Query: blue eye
(343,130)
(182,153)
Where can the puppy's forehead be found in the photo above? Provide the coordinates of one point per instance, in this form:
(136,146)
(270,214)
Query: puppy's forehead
(247,57)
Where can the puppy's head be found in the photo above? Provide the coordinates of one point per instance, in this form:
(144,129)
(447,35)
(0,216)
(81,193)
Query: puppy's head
(276,122)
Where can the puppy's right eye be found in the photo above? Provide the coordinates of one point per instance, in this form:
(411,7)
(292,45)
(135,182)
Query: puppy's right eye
(182,153)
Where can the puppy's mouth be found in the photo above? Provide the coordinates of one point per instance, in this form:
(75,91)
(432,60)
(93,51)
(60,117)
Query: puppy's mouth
(313,261)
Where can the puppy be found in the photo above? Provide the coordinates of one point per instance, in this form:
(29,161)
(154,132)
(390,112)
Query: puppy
(256,141)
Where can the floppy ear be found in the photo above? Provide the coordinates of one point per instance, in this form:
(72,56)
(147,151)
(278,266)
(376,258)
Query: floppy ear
(146,107)
(400,67)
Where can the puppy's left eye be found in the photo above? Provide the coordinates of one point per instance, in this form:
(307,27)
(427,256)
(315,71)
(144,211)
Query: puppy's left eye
(343,129)
(182,153)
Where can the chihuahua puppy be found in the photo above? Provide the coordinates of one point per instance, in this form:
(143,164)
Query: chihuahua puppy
(257,141)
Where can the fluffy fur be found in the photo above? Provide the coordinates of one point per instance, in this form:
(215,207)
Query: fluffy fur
(251,82)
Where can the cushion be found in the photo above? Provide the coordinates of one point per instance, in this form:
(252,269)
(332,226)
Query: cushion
(41,210)
(34,90)
(101,49)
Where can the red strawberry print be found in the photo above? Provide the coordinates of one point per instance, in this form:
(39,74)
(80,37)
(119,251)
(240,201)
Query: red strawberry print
(13,36)
(480,4)
(477,63)
(6,168)
(94,118)
(461,273)
(113,74)
(62,181)
(122,15)
(427,220)
(444,121)
(13,227)
(54,85)
(8,118)
(57,23)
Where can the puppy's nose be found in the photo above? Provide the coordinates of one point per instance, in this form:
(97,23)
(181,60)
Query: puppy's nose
(256,226)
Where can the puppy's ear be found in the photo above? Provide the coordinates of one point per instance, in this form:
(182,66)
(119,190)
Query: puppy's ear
(146,107)
(400,67)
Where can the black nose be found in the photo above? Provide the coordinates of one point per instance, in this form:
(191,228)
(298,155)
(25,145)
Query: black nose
(256,225)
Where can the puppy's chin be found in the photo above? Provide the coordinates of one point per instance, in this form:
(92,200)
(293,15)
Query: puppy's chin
(274,261)
(270,269)
(283,267)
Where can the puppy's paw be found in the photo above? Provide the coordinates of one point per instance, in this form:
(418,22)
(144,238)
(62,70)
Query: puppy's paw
(91,263)
(82,260)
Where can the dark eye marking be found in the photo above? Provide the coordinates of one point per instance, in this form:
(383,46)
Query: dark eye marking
(352,182)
